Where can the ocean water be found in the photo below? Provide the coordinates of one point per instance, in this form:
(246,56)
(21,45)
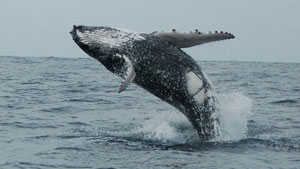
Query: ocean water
(66,113)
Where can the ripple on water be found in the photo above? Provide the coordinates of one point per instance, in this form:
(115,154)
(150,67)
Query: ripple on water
(29,125)
(285,101)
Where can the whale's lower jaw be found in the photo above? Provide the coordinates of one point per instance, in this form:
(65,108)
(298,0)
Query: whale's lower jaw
(157,66)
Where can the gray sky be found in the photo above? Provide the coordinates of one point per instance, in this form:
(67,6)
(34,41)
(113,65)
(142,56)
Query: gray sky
(265,30)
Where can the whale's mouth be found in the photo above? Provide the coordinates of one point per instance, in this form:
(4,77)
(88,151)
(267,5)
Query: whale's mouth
(88,39)
(89,45)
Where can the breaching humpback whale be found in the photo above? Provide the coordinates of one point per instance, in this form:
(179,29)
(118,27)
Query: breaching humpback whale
(156,63)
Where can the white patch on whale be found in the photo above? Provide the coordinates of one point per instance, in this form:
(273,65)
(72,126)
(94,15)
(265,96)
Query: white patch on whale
(194,86)
(83,38)
(113,38)
(209,81)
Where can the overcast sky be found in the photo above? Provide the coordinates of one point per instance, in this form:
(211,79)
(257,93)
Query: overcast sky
(265,30)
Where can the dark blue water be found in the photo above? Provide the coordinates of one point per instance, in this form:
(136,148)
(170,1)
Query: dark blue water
(66,113)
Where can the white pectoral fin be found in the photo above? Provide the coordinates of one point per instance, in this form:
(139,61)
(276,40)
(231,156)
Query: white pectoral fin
(210,37)
(129,74)
(185,40)
(128,79)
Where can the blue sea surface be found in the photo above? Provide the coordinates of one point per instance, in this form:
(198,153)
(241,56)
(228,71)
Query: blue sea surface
(66,113)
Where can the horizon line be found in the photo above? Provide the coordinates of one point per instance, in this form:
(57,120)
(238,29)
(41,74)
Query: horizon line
(86,57)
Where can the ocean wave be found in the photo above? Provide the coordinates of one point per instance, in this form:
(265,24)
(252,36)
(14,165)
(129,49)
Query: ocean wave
(285,101)
(28,125)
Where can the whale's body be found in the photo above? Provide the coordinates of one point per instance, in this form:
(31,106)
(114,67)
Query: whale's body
(159,66)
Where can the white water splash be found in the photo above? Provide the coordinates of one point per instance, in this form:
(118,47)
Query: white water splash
(173,127)
(235,111)
(169,127)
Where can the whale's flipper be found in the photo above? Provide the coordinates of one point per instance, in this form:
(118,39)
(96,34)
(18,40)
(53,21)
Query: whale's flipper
(185,40)
(129,74)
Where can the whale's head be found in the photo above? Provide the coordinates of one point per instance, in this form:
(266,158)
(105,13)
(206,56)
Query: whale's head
(94,40)
(108,45)
(103,42)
